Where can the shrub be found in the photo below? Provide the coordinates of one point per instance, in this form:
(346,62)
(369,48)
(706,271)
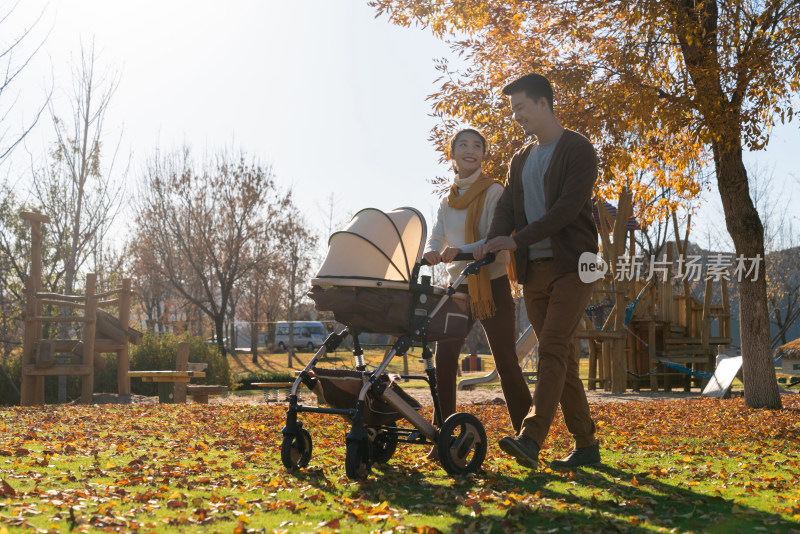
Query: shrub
(105,380)
(12,366)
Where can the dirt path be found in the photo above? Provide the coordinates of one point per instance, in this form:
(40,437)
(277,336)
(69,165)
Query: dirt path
(475,397)
(491,395)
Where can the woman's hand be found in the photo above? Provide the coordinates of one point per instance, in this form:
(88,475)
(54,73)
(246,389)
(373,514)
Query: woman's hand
(432,257)
(450,253)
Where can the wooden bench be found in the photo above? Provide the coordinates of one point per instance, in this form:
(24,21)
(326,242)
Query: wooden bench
(272,387)
(200,393)
(166,381)
(185,365)
(172,384)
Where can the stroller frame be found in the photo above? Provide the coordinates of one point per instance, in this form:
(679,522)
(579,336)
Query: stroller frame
(461,439)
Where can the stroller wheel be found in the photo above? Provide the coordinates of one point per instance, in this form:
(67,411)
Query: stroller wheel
(356,461)
(462,444)
(296,450)
(383,447)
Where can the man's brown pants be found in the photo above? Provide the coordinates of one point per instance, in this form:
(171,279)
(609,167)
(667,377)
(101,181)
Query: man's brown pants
(555,304)
(500,333)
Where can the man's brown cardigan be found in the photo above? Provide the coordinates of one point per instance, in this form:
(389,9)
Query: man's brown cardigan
(568,186)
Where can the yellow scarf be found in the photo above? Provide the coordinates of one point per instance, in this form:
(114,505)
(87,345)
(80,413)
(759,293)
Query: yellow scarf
(480,285)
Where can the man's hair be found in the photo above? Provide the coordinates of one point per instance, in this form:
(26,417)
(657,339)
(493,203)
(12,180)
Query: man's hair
(463,131)
(535,86)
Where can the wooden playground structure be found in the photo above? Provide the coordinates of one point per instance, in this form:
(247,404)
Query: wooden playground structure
(101,332)
(648,333)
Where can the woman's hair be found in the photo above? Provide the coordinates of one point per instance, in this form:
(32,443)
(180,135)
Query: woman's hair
(463,131)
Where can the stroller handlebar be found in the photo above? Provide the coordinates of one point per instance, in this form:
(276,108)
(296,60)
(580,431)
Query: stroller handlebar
(467,256)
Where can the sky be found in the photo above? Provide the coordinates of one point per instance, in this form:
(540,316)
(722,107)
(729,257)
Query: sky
(332,98)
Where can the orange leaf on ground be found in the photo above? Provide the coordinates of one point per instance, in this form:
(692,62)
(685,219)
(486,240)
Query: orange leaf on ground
(6,490)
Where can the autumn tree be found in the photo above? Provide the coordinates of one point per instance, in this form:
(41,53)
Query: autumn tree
(782,248)
(79,188)
(14,58)
(204,225)
(783,291)
(152,289)
(251,308)
(657,85)
(273,303)
(297,249)
(262,289)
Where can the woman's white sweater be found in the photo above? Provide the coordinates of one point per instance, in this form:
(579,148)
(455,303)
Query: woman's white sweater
(449,229)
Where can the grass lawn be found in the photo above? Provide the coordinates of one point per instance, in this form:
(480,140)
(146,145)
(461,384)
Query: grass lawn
(242,362)
(695,465)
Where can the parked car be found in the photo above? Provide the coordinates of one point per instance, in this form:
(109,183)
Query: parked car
(307,335)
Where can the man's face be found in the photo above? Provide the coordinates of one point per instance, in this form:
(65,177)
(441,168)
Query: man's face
(529,113)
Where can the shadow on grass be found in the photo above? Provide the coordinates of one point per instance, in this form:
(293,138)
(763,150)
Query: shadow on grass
(610,499)
(599,499)
(244,361)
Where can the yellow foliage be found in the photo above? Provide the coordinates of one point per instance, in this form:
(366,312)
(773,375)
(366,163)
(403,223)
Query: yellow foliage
(652,84)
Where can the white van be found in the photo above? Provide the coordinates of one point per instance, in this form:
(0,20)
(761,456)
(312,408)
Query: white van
(307,335)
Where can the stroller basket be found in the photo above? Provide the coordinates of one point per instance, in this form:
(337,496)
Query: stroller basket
(340,388)
(388,310)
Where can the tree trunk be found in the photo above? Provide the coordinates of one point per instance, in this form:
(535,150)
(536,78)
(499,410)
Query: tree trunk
(254,325)
(744,226)
(270,320)
(219,328)
(160,317)
(780,325)
(291,336)
(292,297)
(254,341)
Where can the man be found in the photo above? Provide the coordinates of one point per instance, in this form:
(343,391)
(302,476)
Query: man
(546,204)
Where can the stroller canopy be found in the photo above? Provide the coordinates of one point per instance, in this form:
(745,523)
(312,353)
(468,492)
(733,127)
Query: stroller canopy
(376,246)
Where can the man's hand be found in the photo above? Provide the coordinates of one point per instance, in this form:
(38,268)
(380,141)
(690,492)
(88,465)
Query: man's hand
(432,257)
(496,244)
(450,253)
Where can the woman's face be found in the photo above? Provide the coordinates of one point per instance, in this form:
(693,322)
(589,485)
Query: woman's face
(468,153)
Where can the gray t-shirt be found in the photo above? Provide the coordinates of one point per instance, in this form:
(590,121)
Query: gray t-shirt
(533,187)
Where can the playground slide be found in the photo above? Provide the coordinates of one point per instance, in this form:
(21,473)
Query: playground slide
(525,344)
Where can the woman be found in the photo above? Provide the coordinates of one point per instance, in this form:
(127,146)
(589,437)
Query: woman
(462,222)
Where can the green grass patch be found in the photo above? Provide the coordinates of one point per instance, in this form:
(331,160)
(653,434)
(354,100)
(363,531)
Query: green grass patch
(696,465)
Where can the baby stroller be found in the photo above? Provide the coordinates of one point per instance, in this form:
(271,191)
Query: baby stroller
(369,280)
